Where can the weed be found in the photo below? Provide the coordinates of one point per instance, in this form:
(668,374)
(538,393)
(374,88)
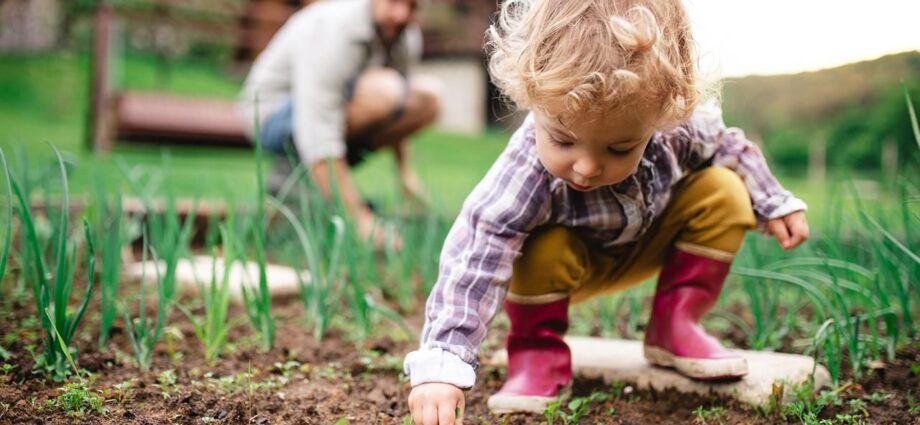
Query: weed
(912,406)
(705,416)
(577,408)
(858,407)
(167,378)
(878,397)
(617,389)
(123,392)
(77,399)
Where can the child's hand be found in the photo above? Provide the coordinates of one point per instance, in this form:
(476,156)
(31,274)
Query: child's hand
(435,403)
(790,231)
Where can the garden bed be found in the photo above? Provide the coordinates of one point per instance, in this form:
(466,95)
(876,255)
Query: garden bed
(303,381)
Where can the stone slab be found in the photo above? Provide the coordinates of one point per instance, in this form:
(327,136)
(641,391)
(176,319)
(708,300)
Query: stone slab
(282,281)
(620,360)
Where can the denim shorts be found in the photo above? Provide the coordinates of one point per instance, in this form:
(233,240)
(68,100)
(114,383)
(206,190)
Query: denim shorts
(278,129)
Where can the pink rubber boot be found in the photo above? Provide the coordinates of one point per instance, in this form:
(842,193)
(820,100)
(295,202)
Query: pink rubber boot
(688,287)
(539,361)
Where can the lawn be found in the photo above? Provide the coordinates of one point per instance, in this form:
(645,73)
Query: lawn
(43,100)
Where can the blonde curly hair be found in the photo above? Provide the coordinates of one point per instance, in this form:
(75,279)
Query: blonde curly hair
(568,58)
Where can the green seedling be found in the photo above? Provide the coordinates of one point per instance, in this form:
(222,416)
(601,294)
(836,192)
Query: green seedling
(143,332)
(8,228)
(321,296)
(52,295)
(110,237)
(212,329)
(258,300)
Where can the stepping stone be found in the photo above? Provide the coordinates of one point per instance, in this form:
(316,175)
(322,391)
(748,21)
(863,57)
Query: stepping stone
(282,281)
(620,360)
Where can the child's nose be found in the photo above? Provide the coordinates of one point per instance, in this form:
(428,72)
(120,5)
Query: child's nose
(587,167)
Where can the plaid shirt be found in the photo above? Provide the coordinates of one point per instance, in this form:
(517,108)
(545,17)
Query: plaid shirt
(518,195)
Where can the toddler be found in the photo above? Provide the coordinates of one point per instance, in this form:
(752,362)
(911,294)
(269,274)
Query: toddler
(623,170)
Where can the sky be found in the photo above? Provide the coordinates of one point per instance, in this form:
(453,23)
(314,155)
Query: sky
(766,37)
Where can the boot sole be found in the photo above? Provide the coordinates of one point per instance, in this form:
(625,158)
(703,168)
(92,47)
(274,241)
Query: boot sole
(502,404)
(700,369)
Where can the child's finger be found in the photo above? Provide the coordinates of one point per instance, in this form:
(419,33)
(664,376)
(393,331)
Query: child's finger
(430,414)
(778,229)
(416,411)
(447,413)
(798,227)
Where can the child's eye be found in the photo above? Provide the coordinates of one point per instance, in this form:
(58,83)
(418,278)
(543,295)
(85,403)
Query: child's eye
(560,143)
(618,152)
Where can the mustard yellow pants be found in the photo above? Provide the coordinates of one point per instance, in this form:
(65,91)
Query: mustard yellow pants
(708,215)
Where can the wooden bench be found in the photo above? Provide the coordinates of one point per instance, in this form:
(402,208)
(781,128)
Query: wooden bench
(452,27)
(115,115)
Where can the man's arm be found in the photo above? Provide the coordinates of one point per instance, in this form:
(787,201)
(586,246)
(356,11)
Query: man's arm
(411,185)
(351,198)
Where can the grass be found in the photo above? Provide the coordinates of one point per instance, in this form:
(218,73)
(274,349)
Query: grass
(44,97)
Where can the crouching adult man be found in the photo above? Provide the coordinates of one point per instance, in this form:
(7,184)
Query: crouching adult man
(334,84)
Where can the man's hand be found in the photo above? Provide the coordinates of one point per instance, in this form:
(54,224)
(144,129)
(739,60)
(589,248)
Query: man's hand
(376,231)
(790,231)
(413,190)
(369,227)
(435,403)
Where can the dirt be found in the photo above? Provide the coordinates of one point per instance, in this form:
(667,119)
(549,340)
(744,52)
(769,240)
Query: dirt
(305,381)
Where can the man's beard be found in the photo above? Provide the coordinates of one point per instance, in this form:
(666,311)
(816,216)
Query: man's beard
(390,38)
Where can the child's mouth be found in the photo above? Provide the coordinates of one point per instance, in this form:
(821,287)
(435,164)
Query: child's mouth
(580,188)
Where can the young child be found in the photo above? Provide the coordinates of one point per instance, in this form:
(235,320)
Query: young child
(620,172)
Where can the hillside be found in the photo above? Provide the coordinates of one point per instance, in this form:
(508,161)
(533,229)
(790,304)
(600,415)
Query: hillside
(852,106)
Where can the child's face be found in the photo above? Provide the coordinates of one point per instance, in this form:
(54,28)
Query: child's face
(596,151)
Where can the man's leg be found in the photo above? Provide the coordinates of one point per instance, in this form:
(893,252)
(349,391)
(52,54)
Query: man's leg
(385,109)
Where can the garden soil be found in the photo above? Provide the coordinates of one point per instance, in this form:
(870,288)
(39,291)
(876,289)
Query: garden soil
(337,381)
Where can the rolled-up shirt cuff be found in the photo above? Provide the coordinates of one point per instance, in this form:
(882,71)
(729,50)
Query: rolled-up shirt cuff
(314,153)
(791,205)
(438,365)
